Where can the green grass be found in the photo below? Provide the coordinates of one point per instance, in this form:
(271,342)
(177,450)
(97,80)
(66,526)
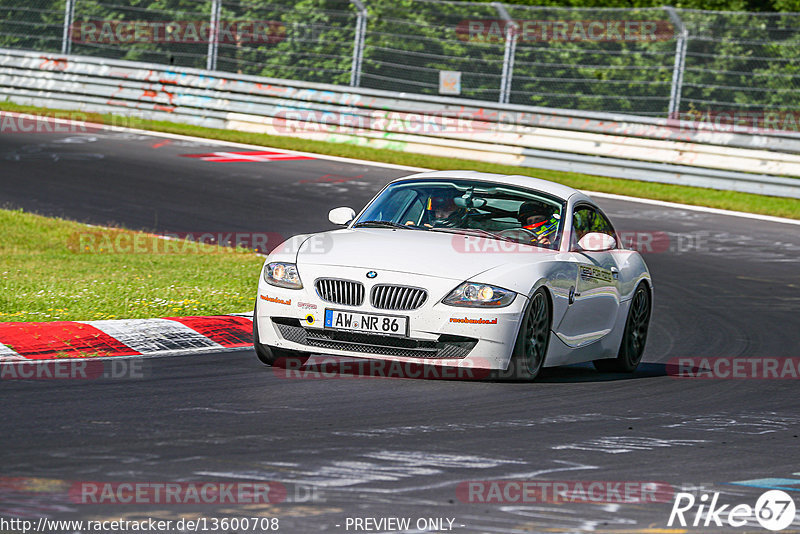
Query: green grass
(57,270)
(730,200)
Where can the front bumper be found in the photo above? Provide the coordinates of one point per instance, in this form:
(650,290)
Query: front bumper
(437,334)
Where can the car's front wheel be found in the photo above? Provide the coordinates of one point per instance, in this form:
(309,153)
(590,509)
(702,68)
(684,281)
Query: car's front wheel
(271,355)
(533,338)
(634,337)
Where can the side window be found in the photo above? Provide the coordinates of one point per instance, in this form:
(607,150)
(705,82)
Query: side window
(414,212)
(396,204)
(587,219)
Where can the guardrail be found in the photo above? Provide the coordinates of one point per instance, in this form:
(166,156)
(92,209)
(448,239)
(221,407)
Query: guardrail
(620,146)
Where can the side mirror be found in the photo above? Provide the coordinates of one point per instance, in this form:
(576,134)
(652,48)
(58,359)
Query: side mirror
(341,216)
(597,242)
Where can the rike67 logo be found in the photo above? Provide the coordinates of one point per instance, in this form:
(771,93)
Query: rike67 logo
(774,510)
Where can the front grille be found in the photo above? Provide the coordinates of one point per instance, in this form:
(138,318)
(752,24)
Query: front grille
(448,347)
(344,292)
(389,297)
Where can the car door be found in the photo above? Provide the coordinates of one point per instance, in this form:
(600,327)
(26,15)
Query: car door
(595,299)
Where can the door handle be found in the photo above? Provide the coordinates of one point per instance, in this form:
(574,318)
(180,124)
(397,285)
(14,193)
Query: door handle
(572,295)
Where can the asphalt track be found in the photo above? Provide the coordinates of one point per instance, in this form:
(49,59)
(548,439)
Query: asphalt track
(368,447)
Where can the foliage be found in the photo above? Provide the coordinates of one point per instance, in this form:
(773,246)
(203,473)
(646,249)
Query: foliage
(735,60)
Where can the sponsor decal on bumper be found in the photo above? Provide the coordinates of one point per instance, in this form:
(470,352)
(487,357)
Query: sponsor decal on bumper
(467,320)
(276,300)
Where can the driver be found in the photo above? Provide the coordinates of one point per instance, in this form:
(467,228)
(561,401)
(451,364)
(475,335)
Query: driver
(441,210)
(540,220)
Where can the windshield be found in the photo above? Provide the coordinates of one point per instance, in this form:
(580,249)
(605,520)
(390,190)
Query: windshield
(482,208)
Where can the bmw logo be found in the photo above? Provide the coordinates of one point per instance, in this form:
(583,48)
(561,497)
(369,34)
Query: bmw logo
(372,274)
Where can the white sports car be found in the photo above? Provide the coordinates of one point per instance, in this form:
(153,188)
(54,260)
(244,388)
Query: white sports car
(460,268)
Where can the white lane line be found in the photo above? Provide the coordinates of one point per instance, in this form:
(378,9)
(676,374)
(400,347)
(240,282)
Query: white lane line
(598,194)
(264,147)
(689,207)
(220,142)
(354,161)
(154,335)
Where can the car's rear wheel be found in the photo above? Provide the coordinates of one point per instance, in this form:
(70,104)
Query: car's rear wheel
(533,338)
(634,337)
(272,355)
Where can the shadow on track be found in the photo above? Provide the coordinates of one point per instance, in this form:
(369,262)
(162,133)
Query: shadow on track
(585,372)
(331,367)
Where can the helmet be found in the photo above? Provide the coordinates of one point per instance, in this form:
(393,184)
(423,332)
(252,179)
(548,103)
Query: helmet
(442,201)
(530,208)
(538,218)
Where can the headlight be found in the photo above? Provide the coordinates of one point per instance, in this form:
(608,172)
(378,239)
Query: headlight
(479,296)
(282,275)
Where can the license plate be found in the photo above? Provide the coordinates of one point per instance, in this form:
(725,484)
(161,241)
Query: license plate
(366,322)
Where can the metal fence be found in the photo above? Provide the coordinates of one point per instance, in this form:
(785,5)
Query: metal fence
(653,62)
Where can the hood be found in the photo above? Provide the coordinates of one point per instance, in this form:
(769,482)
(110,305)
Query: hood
(443,255)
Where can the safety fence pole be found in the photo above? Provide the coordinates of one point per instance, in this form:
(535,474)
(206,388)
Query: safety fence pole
(682,38)
(69,16)
(213,35)
(509,51)
(358,44)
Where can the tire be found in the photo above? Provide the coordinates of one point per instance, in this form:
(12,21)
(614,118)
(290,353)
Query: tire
(272,356)
(634,337)
(530,348)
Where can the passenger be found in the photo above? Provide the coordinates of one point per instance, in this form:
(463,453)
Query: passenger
(540,220)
